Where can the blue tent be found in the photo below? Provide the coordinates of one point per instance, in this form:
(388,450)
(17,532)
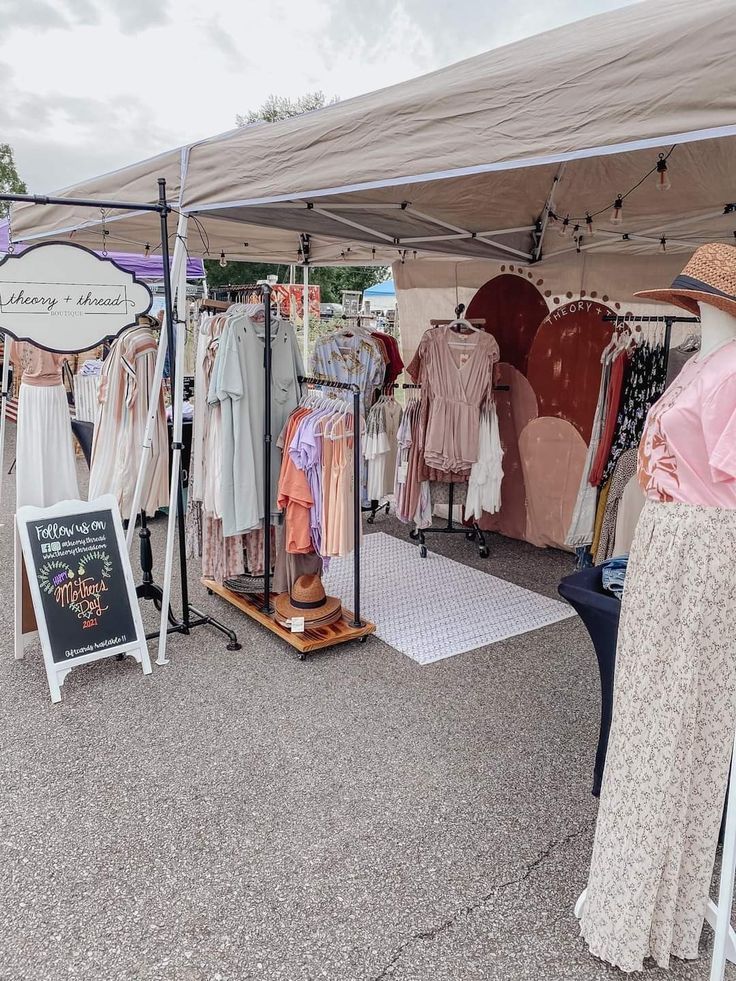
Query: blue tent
(386,288)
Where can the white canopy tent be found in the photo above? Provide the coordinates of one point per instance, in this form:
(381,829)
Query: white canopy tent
(475,160)
(472,158)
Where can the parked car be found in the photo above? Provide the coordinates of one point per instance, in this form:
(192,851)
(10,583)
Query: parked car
(328,311)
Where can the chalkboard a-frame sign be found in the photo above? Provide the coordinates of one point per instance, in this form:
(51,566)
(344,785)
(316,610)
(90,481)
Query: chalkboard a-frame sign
(81,584)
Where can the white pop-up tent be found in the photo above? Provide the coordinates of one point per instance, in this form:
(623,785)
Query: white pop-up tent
(476,161)
(472,158)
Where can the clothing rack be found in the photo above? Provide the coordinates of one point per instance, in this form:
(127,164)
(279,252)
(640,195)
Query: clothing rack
(666,319)
(475,321)
(321,382)
(258,606)
(474,533)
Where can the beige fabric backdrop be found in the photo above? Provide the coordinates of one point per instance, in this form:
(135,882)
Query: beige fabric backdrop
(428,288)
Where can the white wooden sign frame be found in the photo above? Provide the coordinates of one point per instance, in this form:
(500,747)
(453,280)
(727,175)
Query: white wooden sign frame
(56,672)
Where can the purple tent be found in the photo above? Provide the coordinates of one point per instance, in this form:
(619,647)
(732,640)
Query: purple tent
(150,268)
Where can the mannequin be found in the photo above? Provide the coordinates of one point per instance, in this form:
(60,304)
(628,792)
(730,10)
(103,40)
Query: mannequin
(674,710)
(717,327)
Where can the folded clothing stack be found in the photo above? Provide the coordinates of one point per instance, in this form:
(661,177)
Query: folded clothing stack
(613,574)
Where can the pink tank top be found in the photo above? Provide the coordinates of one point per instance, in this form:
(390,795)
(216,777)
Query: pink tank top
(687,453)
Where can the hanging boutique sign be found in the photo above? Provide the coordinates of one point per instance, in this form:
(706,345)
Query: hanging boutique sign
(63,297)
(81,583)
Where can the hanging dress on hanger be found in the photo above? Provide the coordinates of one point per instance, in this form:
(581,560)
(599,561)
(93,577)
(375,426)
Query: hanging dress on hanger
(46,472)
(120,426)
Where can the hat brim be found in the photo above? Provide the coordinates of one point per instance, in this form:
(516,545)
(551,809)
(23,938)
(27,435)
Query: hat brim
(689,299)
(287,610)
(311,624)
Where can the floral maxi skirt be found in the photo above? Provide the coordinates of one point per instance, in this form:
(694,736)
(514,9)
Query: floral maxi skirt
(671,739)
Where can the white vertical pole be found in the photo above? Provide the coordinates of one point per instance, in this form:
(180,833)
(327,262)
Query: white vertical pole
(3,408)
(305,320)
(153,403)
(725,895)
(178,261)
(180,286)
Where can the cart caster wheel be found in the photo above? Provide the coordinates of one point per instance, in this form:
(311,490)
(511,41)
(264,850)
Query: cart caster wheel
(362,640)
(303,657)
(210,592)
(484,551)
(370,520)
(470,536)
(423,551)
(414,535)
(234,646)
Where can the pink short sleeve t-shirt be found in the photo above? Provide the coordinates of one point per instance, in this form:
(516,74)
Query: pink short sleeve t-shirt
(688,451)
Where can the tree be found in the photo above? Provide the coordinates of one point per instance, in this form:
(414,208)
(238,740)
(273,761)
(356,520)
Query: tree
(332,280)
(278,107)
(10,182)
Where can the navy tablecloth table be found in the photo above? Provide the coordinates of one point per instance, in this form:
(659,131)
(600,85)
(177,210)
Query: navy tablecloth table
(600,612)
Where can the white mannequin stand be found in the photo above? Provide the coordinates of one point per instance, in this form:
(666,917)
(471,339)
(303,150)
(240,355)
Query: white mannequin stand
(717,328)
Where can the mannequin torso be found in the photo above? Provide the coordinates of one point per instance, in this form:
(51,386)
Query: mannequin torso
(717,328)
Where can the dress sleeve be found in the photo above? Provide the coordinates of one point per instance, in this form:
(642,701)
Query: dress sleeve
(719,430)
(414,368)
(226,378)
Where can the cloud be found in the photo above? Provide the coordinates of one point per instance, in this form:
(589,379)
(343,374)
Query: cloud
(39,14)
(224,43)
(83,136)
(133,16)
(445,34)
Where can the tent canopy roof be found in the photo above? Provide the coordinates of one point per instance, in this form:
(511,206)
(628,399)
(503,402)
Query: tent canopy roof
(384,288)
(471,159)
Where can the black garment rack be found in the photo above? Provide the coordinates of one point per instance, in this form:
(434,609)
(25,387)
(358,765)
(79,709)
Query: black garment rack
(267,450)
(474,533)
(148,589)
(666,319)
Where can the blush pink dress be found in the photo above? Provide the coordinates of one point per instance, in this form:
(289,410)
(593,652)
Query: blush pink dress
(456,375)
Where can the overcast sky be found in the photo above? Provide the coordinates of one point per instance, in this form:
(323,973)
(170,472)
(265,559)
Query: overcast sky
(90,85)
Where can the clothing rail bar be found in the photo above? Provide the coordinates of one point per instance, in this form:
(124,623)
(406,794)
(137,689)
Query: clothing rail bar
(616,318)
(666,319)
(496,388)
(328,383)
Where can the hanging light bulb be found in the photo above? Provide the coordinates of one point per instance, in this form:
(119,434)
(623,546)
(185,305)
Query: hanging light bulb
(564,227)
(663,176)
(617,214)
(663,243)
(147,251)
(589,223)
(223,260)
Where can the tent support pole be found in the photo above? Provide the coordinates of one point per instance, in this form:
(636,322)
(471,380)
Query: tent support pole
(4,404)
(719,917)
(549,205)
(191,617)
(305,317)
(153,406)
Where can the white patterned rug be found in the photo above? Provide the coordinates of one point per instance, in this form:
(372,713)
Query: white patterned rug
(434,608)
